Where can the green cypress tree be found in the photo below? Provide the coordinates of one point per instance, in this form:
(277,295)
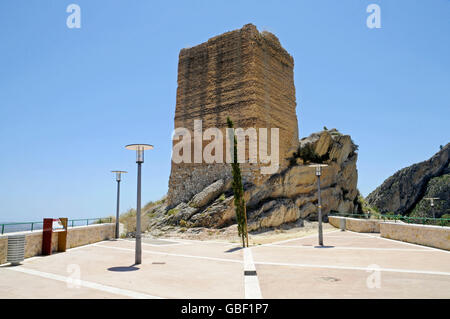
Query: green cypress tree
(238,190)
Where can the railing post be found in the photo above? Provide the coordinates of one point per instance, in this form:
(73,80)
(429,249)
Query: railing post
(3,228)
(32,226)
(72,223)
(87,222)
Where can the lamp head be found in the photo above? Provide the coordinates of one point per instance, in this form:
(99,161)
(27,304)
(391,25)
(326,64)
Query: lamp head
(118,174)
(318,168)
(139,148)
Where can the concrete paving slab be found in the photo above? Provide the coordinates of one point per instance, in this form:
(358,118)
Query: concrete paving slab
(293,282)
(14,285)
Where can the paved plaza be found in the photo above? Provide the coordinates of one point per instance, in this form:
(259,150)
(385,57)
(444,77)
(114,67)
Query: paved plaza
(350,265)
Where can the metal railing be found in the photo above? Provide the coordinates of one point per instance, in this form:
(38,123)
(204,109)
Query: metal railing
(30,226)
(406,219)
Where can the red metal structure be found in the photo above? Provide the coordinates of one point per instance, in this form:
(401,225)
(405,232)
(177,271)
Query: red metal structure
(47,233)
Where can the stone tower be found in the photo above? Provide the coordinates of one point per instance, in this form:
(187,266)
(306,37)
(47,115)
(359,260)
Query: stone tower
(243,74)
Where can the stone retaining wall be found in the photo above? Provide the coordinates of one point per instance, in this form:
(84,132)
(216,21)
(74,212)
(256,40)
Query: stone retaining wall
(3,249)
(427,235)
(76,236)
(356,224)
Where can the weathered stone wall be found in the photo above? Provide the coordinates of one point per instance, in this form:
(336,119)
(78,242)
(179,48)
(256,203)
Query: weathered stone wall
(79,236)
(432,236)
(356,224)
(76,236)
(33,243)
(245,75)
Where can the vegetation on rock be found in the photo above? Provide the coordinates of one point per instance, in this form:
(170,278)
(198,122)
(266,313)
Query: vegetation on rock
(308,155)
(438,187)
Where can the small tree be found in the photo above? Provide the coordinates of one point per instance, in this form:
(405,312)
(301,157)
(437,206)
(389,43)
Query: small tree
(238,190)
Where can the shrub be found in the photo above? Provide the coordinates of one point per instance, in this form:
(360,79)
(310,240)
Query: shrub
(308,155)
(128,219)
(172,211)
(445,222)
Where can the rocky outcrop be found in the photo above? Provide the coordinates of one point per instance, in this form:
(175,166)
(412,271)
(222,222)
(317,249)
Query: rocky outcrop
(402,191)
(285,197)
(298,182)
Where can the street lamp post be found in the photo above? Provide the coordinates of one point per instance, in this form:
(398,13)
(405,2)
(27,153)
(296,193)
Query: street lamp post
(318,168)
(432,199)
(118,178)
(139,148)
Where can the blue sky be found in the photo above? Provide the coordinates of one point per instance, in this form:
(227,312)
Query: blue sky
(70,99)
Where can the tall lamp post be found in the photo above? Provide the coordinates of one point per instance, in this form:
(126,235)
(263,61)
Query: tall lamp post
(432,199)
(118,178)
(318,168)
(139,148)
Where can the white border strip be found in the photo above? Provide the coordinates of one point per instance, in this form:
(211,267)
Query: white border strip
(251,283)
(170,254)
(86,284)
(206,241)
(296,238)
(412,271)
(175,243)
(352,248)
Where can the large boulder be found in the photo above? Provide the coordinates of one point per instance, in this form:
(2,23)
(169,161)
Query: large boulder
(403,190)
(323,143)
(273,213)
(219,214)
(208,194)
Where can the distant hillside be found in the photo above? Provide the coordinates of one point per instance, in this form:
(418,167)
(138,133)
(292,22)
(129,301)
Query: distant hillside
(403,192)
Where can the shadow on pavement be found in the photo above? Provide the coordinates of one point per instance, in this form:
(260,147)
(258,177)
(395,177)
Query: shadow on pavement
(233,249)
(124,268)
